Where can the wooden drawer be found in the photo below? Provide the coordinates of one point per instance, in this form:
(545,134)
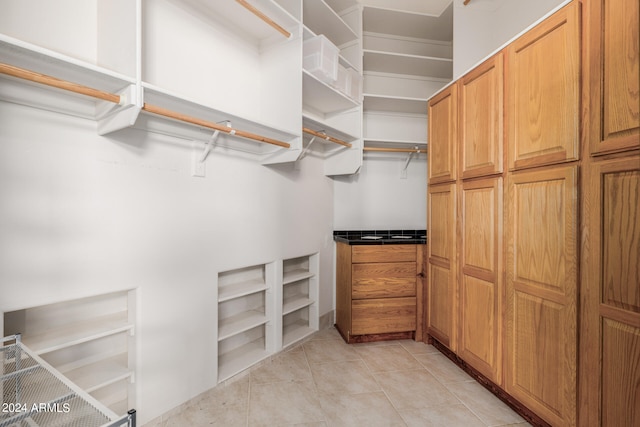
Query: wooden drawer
(383,280)
(383,253)
(378,316)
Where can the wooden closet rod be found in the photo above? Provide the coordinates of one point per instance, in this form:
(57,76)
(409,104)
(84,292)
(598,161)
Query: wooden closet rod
(61,84)
(115,98)
(264,17)
(395,150)
(211,125)
(326,137)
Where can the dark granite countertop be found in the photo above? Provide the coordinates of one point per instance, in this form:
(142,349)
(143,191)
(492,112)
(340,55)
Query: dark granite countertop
(381,237)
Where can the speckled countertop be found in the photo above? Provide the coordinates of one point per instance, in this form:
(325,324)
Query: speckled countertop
(381,237)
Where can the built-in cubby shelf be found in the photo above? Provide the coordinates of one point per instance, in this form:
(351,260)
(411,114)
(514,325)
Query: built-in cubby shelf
(89,340)
(299,298)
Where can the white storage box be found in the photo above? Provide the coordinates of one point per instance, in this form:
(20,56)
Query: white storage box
(355,88)
(343,82)
(321,58)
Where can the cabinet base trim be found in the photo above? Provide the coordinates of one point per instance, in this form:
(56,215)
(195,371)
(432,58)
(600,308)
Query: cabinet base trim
(526,413)
(352,339)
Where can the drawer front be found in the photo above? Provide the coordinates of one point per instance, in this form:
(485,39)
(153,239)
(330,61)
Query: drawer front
(383,280)
(383,253)
(379,316)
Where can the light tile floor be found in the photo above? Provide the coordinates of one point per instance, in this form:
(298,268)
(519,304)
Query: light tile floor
(326,382)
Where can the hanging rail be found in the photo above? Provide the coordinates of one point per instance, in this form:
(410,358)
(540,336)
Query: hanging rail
(264,17)
(395,150)
(325,137)
(115,98)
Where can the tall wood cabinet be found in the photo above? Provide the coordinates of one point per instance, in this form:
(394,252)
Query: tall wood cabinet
(610,278)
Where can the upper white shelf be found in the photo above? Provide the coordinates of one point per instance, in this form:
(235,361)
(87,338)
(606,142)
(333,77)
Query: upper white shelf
(320,126)
(408,24)
(239,19)
(320,18)
(45,61)
(389,62)
(237,290)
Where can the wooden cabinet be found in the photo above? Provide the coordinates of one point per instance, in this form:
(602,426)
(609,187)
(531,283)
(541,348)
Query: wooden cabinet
(613,70)
(480,287)
(480,119)
(611,295)
(541,300)
(443,153)
(442,280)
(377,291)
(543,92)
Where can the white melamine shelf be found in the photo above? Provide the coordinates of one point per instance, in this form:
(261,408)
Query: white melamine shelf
(404,143)
(295,303)
(409,24)
(320,18)
(295,331)
(239,323)
(241,20)
(177,103)
(389,62)
(100,374)
(240,358)
(323,98)
(321,126)
(236,290)
(41,60)
(113,397)
(295,275)
(395,104)
(70,335)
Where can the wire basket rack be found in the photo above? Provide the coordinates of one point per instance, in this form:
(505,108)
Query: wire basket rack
(35,394)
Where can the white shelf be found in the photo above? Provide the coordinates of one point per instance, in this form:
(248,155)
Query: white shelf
(322,97)
(295,275)
(389,62)
(408,24)
(404,143)
(100,374)
(292,304)
(320,18)
(79,333)
(237,290)
(395,104)
(237,360)
(296,331)
(166,99)
(239,323)
(240,20)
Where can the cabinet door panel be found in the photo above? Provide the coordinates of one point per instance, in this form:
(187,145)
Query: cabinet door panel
(480,305)
(442,113)
(615,75)
(543,92)
(379,316)
(611,286)
(384,280)
(480,119)
(441,223)
(541,292)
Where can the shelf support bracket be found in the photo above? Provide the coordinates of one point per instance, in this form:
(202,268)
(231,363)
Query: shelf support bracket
(208,145)
(304,152)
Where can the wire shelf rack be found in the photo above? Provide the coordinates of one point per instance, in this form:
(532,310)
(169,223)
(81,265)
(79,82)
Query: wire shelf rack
(33,394)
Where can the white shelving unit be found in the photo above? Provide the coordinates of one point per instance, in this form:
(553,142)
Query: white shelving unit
(299,298)
(245,318)
(91,341)
(407,57)
(324,106)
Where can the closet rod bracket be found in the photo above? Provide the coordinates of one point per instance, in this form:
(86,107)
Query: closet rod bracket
(208,145)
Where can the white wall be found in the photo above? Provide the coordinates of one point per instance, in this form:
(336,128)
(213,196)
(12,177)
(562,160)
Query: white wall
(82,215)
(482,26)
(377,198)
